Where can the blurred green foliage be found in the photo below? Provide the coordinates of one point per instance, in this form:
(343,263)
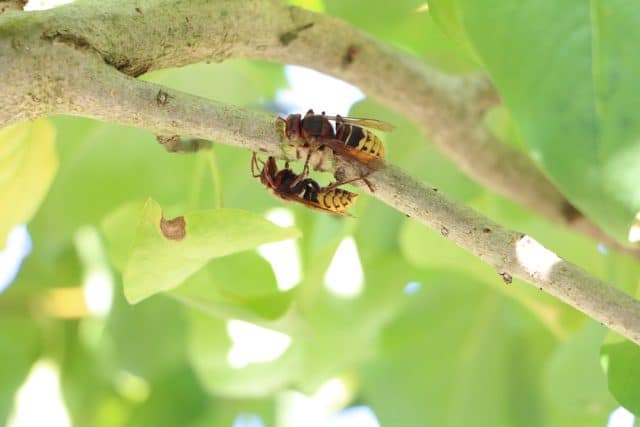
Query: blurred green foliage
(565,72)
(456,347)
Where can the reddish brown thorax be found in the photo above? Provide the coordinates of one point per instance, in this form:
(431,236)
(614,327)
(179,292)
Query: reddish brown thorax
(311,126)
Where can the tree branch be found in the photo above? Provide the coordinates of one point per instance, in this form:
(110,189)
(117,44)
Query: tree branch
(140,37)
(8,5)
(74,61)
(512,254)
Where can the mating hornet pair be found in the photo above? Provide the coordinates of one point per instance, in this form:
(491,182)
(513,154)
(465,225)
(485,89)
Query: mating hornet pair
(350,139)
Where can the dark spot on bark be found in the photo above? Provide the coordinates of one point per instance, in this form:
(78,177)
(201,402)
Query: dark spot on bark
(176,144)
(169,142)
(15,43)
(7,5)
(34,97)
(486,230)
(570,212)
(131,68)
(67,38)
(506,277)
(173,229)
(162,98)
(444,231)
(127,66)
(289,36)
(349,56)
(435,189)
(138,10)
(339,174)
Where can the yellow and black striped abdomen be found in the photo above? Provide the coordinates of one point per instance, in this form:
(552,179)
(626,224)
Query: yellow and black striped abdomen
(336,200)
(360,139)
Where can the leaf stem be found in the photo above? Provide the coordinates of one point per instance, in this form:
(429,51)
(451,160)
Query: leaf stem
(215,178)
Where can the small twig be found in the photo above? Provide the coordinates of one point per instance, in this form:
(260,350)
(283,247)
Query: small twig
(215,178)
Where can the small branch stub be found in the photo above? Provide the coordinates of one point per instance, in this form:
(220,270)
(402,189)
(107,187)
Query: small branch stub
(173,229)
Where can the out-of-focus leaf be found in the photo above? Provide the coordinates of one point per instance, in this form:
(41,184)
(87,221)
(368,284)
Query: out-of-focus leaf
(148,339)
(161,259)
(447,15)
(500,122)
(119,229)
(28,163)
(176,399)
(209,351)
(314,5)
(461,356)
(19,349)
(228,412)
(621,360)
(569,92)
(48,268)
(352,324)
(239,82)
(239,286)
(574,378)
(408,26)
(88,379)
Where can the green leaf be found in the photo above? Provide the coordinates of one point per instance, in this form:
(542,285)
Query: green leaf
(209,348)
(314,5)
(447,15)
(235,81)
(176,399)
(462,355)
(119,229)
(574,378)
(240,286)
(19,349)
(571,93)
(28,163)
(161,260)
(87,378)
(406,27)
(352,324)
(621,360)
(147,339)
